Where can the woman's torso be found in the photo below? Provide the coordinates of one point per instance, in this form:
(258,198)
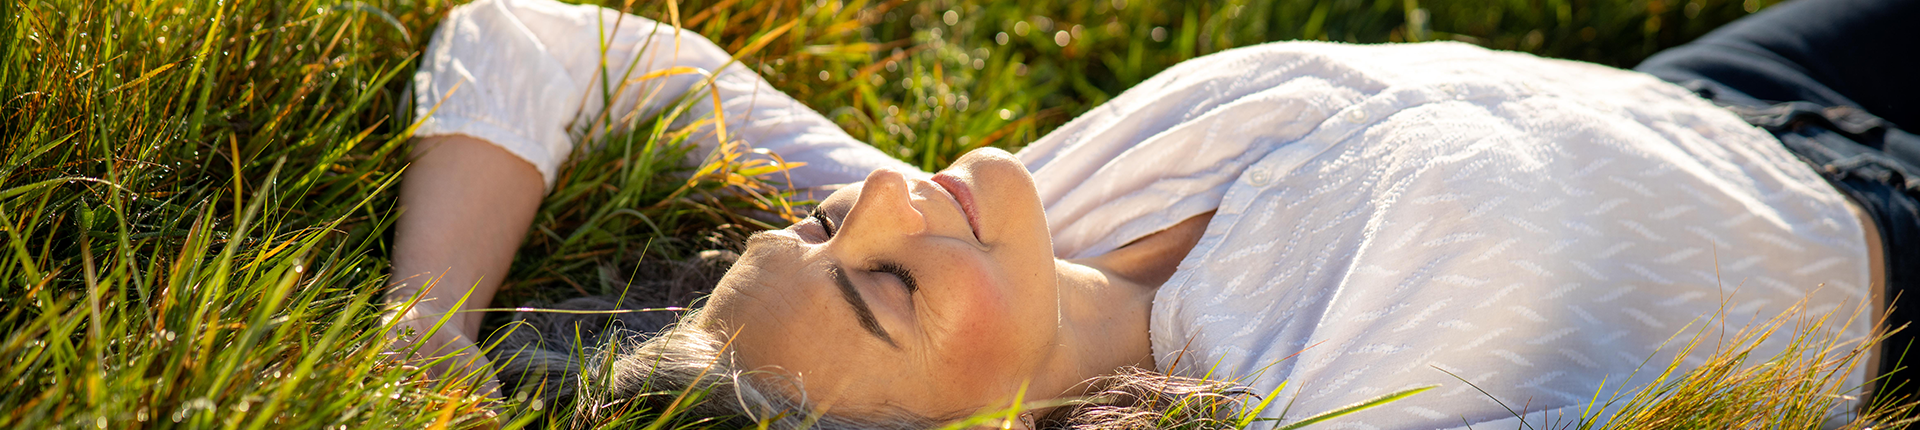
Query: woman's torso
(1388,215)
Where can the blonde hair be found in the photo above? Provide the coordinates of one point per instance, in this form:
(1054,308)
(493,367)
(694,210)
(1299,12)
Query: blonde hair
(682,369)
(688,359)
(599,366)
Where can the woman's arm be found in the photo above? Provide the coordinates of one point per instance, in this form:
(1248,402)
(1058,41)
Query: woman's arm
(465,206)
(527,75)
(504,88)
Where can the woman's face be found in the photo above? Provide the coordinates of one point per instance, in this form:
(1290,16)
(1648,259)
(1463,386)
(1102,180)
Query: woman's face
(933,295)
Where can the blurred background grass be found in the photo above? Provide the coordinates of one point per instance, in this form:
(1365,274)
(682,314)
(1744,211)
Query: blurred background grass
(929,80)
(196,195)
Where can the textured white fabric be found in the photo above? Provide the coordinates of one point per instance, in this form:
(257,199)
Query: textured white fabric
(1534,226)
(527,75)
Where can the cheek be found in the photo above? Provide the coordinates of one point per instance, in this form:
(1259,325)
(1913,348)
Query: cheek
(986,355)
(996,334)
(984,310)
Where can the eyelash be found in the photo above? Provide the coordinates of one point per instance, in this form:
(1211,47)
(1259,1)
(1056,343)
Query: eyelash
(825,223)
(906,276)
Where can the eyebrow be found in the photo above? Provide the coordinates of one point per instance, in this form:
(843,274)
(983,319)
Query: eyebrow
(860,310)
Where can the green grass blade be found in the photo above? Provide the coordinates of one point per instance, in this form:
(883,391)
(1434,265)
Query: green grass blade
(1357,407)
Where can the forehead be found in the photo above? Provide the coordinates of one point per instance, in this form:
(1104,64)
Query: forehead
(773,275)
(783,312)
(776,265)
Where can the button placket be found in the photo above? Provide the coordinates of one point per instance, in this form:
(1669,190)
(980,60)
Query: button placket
(1259,176)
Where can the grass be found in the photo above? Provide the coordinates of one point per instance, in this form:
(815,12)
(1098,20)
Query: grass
(197,197)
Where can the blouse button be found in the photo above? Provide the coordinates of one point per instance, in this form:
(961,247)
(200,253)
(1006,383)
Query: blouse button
(1259,176)
(1357,116)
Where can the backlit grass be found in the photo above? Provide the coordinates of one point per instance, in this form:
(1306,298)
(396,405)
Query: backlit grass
(197,197)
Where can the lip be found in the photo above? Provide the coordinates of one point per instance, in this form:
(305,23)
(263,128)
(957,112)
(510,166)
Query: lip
(963,195)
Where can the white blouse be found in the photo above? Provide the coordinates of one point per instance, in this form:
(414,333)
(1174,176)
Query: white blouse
(1388,217)
(527,75)
(1399,216)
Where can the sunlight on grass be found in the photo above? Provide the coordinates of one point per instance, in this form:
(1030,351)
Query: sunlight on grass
(197,197)
(1800,387)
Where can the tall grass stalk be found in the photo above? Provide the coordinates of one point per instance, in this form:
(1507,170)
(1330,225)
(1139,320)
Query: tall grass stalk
(1802,386)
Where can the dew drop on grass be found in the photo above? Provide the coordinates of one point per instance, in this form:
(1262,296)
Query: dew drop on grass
(100,422)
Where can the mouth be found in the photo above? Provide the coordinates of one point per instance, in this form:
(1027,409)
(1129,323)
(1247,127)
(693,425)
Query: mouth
(964,196)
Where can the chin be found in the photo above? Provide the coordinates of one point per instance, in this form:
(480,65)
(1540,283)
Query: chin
(1014,228)
(1005,201)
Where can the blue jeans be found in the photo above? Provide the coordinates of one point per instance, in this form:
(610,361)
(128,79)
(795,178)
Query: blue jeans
(1834,80)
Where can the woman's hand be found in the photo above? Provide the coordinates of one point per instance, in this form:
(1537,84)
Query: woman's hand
(465,206)
(415,340)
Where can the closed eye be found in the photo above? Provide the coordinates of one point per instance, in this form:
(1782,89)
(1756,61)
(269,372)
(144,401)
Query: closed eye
(826,223)
(906,276)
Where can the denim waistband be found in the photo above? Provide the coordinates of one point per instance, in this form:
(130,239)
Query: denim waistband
(1833,80)
(1855,151)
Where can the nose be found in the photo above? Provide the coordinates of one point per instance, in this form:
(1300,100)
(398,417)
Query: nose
(884,210)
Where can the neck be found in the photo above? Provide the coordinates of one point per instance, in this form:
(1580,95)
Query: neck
(1105,304)
(1103,328)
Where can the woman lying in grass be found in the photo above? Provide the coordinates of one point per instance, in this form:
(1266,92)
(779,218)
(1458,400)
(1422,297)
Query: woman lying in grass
(1352,220)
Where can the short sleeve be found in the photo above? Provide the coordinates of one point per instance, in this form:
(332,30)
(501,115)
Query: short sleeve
(486,75)
(527,75)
